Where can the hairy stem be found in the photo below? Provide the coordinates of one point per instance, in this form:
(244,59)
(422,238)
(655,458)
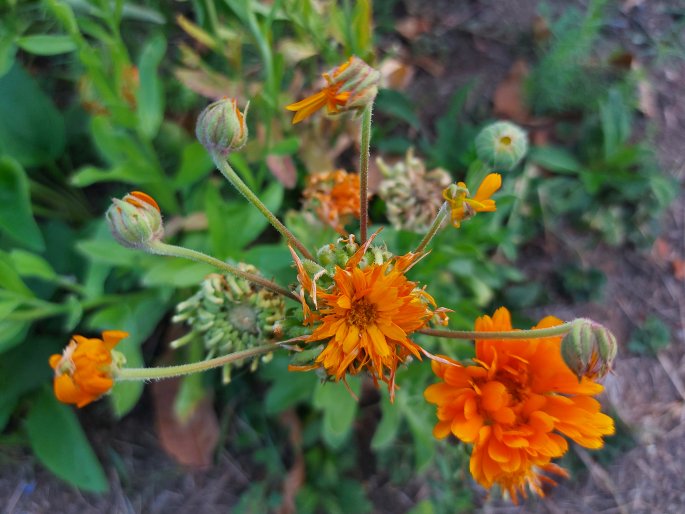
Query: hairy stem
(159,248)
(533,333)
(434,228)
(237,182)
(194,367)
(364,173)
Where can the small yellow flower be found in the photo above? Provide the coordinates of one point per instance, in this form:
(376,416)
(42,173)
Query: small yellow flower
(350,86)
(463,207)
(83,372)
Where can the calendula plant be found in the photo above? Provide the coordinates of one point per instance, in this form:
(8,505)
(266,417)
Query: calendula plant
(357,313)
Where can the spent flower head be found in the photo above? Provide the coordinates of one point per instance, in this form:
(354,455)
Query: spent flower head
(229,314)
(349,87)
(135,221)
(221,127)
(85,369)
(412,195)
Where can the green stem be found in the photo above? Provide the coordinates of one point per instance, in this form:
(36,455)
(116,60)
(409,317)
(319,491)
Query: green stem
(234,179)
(435,226)
(364,173)
(533,333)
(194,367)
(159,248)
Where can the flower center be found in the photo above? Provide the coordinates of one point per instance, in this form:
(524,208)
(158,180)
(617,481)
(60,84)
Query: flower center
(244,318)
(505,140)
(362,314)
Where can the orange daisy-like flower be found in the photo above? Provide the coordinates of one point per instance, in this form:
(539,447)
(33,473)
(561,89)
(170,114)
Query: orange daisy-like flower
(514,404)
(366,317)
(464,207)
(334,196)
(350,86)
(83,372)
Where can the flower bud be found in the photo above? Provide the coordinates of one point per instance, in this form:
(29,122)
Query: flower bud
(135,221)
(221,127)
(502,145)
(589,349)
(358,79)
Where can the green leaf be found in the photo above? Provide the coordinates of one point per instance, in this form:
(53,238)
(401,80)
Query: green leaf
(16,216)
(29,264)
(554,158)
(388,427)
(339,410)
(196,164)
(150,103)
(398,105)
(59,442)
(616,118)
(7,52)
(46,44)
(12,333)
(177,273)
(31,128)
(125,395)
(226,240)
(23,369)
(9,277)
(108,252)
(287,388)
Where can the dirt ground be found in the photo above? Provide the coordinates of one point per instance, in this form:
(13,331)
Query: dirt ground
(474,38)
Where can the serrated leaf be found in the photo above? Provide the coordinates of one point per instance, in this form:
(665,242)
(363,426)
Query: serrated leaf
(59,442)
(31,128)
(16,215)
(46,44)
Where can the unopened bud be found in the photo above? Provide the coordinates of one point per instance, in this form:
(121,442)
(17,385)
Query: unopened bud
(221,127)
(589,349)
(358,79)
(135,221)
(502,145)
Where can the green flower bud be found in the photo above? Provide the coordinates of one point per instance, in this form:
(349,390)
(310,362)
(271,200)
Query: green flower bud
(135,221)
(221,127)
(589,349)
(502,145)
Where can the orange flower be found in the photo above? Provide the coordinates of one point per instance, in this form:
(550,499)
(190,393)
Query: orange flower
(366,317)
(463,207)
(514,404)
(350,86)
(83,372)
(334,196)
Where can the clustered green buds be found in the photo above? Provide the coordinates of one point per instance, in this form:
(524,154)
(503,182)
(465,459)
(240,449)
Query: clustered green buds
(412,195)
(229,314)
(221,127)
(502,145)
(135,221)
(589,349)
